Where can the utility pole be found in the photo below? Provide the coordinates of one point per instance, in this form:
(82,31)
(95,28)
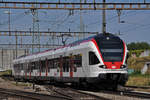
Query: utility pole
(35,28)
(104,18)
(33,20)
(8,12)
(16,46)
(81,23)
(119,14)
(2,59)
(35,37)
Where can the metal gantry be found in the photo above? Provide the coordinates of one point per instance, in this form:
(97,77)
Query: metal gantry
(44,33)
(18,34)
(75,6)
(30,45)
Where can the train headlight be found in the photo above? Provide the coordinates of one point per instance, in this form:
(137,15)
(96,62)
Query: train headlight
(123,66)
(102,66)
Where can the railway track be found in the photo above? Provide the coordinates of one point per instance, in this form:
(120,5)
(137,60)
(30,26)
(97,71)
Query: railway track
(133,94)
(21,95)
(143,95)
(78,94)
(140,87)
(74,94)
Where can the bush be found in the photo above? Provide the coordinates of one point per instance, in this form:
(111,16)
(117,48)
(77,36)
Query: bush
(6,73)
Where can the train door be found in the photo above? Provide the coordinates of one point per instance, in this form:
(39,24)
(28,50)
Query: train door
(93,63)
(71,65)
(66,62)
(59,64)
(75,64)
(84,61)
(40,67)
(46,68)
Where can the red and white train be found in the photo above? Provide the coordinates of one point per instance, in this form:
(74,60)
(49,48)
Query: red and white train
(100,59)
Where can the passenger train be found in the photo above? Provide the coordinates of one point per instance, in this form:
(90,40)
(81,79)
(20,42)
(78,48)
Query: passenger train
(100,59)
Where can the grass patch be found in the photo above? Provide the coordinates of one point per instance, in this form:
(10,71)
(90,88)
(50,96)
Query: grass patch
(138,81)
(6,73)
(138,63)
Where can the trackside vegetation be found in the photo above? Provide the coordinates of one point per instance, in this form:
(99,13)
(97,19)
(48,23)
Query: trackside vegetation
(136,63)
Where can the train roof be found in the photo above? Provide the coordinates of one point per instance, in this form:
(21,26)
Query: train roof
(95,36)
(74,43)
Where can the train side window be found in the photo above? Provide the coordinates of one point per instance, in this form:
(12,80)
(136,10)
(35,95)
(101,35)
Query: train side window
(43,66)
(93,58)
(65,64)
(24,66)
(56,63)
(33,65)
(30,67)
(50,64)
(78,60)
(36,65)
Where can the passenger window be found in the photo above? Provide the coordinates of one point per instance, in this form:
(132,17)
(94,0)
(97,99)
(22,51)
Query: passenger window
(78,60)
(93,58)
(65,64)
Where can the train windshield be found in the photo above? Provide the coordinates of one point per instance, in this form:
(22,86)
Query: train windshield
(111,48)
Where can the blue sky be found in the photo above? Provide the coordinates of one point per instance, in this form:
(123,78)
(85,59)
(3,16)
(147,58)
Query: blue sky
(135,29)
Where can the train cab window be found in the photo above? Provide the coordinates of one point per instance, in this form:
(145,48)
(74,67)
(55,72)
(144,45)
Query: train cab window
(93,58)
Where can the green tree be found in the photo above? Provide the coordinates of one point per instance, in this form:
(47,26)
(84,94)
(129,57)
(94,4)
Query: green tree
(138,46)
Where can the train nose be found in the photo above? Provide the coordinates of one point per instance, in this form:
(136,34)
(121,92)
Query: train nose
(109,76)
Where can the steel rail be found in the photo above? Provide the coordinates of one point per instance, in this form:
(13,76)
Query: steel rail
(31,95)
(75,6)
(128,93)
(141,87)
(137,94)
(92,95)
(76,94)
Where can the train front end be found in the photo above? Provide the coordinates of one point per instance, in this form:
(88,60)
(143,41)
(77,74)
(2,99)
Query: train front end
(112,54)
